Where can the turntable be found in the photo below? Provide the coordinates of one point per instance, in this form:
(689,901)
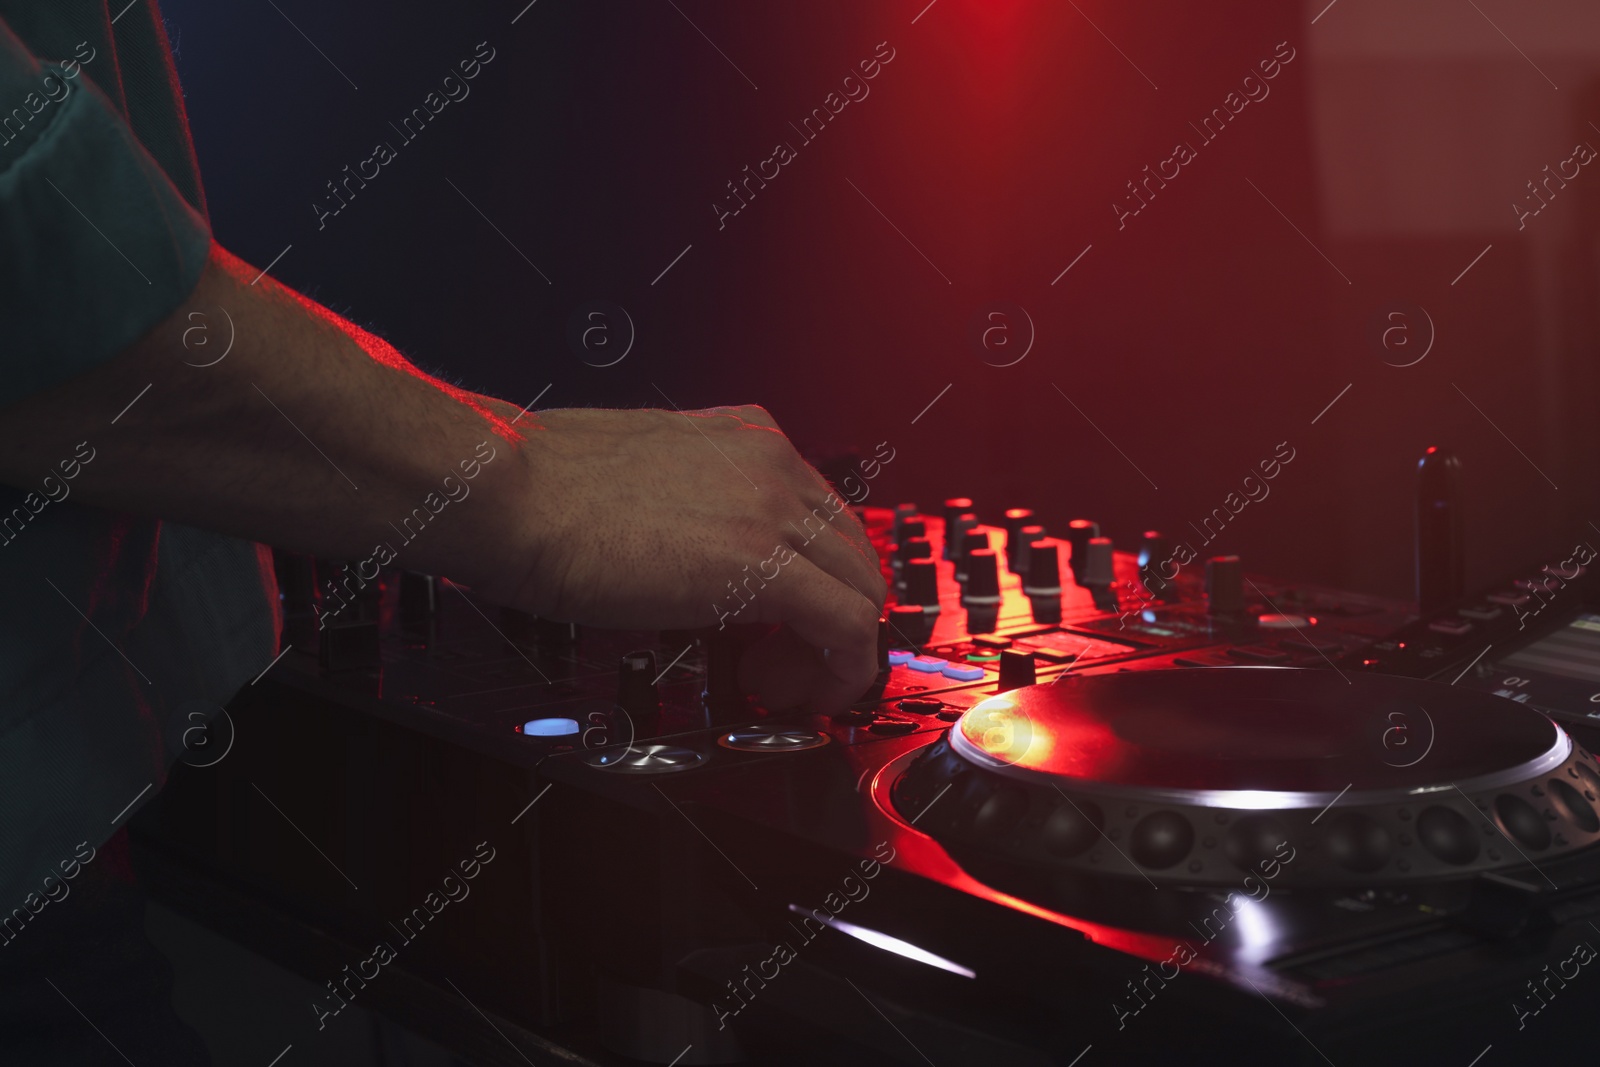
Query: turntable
(1195,777)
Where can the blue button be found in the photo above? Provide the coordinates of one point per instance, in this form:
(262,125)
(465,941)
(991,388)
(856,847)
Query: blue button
(899,656)
(927,664)
(556,727)
(962,674)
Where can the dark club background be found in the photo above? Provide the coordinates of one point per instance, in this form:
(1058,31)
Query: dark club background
(986,157)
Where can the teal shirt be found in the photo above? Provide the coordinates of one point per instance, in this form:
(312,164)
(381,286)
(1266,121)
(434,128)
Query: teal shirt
(118,633)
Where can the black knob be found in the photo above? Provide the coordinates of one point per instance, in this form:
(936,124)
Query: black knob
(1026,536)
(1097,569)
(974,540)
(956,505)
(902,512)
(1079,533)
(922,582)
(1224,585)
(1044,568)
(983,578)
(912,548)
(1016,670)
(1155,556)
(915,526)
(1015,519)
(884,641)
(908,626)
(955,530)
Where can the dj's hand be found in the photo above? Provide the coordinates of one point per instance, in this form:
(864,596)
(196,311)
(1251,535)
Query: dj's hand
(662,519)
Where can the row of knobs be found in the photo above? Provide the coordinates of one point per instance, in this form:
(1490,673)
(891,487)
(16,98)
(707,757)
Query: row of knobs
(1036,559)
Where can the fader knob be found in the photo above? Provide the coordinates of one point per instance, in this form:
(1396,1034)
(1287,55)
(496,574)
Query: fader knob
(983,578)
(1016,670)
(1224,585)
(1097,563)
(1079,533)
(1044,568)
(922,583)
(915,526)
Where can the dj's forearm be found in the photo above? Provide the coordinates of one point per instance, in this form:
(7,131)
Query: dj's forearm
(309,433)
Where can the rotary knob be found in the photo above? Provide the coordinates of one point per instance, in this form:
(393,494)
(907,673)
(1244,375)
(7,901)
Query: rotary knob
(915,526)
(1013,522)
(911,548)
(974,540)
(922,583)
(1097,563)
(983,578)
(1079,534)
(955,530)
(1044,568)
(1025,537)
(902,512)
(956,505)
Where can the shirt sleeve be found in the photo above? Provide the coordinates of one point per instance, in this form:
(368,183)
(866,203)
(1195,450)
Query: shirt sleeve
(96,244)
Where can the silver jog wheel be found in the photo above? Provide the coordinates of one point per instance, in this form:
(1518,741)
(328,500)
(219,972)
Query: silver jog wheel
(766,737)
(649,759)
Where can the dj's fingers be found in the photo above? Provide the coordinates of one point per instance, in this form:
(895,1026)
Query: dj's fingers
(832,551)
(837,622)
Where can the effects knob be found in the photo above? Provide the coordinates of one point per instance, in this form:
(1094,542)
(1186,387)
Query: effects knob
(1079,533)
(1224,585)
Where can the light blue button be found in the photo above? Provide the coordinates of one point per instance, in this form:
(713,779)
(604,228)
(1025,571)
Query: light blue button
(962,674)
(899,656)
(927,664)
(555,727)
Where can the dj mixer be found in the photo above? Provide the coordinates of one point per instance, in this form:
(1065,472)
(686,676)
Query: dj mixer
(1099,806)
